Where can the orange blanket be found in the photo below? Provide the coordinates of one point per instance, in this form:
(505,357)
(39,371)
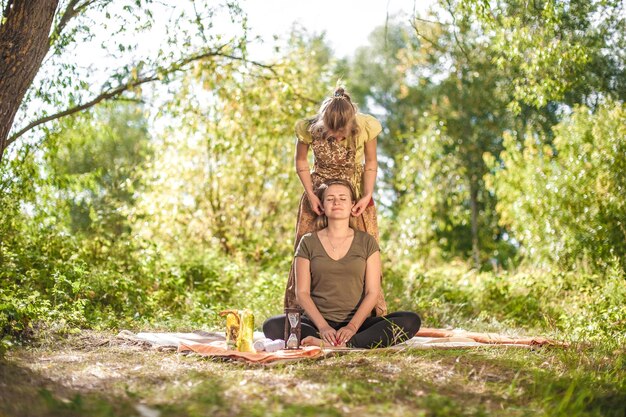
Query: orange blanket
(440,337)
(218,349)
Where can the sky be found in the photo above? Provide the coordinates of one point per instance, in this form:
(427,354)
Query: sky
(347,23)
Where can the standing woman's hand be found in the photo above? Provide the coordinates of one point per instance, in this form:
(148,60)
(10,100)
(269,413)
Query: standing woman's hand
(361,205)
(316,204)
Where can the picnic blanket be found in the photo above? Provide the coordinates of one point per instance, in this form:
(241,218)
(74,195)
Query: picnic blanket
(213,344)
(488,338)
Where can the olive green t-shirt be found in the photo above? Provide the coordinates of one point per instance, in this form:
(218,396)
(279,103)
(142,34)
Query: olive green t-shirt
(337,286)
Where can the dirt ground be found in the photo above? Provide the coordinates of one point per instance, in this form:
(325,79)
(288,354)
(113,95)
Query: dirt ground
(98,374)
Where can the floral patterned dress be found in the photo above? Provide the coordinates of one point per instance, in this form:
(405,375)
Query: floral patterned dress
(335,160)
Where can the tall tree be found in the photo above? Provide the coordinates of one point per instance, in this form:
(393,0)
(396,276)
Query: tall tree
(24,43)
(432,87)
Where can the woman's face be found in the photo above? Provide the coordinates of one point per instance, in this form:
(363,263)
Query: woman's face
(337,202)
(339,134)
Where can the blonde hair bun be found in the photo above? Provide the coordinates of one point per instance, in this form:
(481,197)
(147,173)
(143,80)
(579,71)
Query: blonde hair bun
(340,92)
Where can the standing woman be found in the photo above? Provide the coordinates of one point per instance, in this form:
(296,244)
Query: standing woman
(344,147)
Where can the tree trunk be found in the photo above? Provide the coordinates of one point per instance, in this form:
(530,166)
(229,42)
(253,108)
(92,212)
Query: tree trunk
(24,42)
(474,210)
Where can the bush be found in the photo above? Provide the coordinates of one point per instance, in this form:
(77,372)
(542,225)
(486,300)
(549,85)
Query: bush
(564,202)
(570,305)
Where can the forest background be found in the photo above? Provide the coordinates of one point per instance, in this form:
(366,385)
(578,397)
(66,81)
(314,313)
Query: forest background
(165,193)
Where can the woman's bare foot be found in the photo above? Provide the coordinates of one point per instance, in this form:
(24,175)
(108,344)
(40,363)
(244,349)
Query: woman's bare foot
(315,341)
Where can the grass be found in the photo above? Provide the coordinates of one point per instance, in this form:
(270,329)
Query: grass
(95,374)
(64,371)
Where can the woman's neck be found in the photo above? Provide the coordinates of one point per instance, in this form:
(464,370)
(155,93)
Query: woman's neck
(338,227)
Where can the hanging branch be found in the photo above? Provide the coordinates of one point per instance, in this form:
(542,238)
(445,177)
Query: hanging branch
(117,91)
(458,42)
(417,32)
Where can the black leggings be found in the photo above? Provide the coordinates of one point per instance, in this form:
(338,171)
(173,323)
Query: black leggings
(375,332)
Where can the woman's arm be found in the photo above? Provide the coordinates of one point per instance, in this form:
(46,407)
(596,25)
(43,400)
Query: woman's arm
(372,290)
(369,177)
(304,173)
(303,297)
(371,167)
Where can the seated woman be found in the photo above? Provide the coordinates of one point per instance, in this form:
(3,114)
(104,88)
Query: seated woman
(338,281)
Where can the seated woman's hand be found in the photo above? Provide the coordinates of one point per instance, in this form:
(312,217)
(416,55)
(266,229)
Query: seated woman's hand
(328,335)
(345,333)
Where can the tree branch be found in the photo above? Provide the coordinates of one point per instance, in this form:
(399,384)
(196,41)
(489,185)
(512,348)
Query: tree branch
(103,96)
(301,97)
(236,58)
(417,32)
(458,42)
(67,15)
(71,11)
(198,21)
(112,93)
(433,22)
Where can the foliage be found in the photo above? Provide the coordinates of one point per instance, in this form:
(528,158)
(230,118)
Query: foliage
(93,161)
(574,306)
(62,266)
(16,308)
(99,234)
(443,109)
(564,51)
(431,222)
(135,42)
(445,88)
(223,175)
(565,203)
